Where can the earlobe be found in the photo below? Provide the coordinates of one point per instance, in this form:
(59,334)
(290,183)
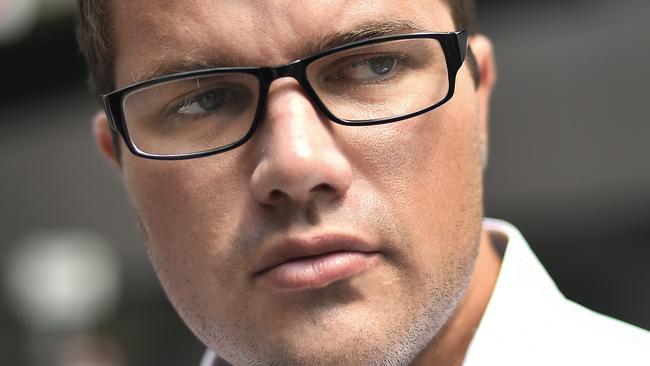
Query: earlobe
(104,138)
(484,53)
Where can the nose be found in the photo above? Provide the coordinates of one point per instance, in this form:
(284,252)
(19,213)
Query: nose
(300,156)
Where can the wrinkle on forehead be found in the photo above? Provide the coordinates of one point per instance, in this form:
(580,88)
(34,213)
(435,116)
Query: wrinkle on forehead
(172,36)
(170,62)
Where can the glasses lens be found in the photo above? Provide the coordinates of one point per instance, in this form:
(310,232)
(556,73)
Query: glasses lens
(382,80)
(193,114)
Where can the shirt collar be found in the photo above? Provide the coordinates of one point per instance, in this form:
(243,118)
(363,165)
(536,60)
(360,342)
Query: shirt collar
(522,302)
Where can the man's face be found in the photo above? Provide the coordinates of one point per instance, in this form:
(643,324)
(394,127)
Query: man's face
(400,204)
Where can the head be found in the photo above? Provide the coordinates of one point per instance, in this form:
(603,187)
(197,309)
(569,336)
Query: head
(410,192)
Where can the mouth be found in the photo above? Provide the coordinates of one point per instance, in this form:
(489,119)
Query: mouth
(317,262)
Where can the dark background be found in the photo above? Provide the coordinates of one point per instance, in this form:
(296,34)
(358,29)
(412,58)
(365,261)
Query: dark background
(569,165)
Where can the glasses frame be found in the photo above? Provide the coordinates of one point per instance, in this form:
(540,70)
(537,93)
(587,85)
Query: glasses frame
(454,46)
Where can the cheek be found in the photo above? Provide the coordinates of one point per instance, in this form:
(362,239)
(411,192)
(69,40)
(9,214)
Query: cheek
(168,196)
(188,210)
(427,173)
(427,164)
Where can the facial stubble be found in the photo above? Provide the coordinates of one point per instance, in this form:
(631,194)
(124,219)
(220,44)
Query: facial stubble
(389,340)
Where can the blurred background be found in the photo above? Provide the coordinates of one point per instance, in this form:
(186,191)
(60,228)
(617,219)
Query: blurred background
(569,166)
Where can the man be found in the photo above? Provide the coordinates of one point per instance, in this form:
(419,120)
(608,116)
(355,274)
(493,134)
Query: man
(326,211)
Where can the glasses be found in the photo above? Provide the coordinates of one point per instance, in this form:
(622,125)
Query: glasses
(205,112)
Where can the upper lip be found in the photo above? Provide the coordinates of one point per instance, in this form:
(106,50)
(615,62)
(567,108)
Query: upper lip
(288,249)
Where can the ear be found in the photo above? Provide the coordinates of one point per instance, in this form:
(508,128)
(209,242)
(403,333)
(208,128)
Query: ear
(484,54)
(104,138)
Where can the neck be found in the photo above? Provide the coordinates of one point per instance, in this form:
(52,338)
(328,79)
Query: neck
(449,346)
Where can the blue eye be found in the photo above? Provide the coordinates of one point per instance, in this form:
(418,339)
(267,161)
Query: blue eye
(370,69)
(379,65)
(209,101)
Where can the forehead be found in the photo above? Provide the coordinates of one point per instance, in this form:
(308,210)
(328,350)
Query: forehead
(151,35)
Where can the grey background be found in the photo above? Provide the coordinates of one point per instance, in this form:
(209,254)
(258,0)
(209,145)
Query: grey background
(569,163)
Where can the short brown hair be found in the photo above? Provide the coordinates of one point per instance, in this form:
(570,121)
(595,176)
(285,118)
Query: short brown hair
(95,42)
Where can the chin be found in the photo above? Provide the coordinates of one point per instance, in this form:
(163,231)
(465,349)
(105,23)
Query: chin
(352,334)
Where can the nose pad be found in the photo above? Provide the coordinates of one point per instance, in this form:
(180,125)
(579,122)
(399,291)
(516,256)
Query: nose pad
(301,158)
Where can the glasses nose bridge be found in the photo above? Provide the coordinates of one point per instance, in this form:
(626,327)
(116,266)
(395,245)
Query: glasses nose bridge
(295,70)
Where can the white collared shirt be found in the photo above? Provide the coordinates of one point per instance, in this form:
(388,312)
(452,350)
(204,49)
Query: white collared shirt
(528,322)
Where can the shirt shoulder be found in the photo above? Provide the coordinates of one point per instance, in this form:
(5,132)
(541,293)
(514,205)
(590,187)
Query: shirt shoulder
(601,339)
(529,322)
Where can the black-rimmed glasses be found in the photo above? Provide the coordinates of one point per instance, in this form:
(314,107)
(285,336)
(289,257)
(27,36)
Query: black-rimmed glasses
(204,112)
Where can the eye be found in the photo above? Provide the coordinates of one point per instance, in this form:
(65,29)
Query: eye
(381,65)
(370,69)
(207,102)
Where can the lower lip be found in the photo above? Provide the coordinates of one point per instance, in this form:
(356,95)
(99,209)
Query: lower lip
(317,272)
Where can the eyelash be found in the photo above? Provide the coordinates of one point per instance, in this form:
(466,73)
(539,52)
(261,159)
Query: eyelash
(175,116)
(401,62)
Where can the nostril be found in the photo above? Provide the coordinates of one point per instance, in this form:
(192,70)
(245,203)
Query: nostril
(323,187)
(275,195)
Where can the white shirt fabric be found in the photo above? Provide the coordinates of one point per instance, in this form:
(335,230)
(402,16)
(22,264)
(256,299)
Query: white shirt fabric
(529,322)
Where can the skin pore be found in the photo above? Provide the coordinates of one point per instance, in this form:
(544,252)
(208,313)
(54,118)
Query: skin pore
(412,190)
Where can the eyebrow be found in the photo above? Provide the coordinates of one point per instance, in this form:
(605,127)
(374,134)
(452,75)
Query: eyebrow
(194,60)
(359,33)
